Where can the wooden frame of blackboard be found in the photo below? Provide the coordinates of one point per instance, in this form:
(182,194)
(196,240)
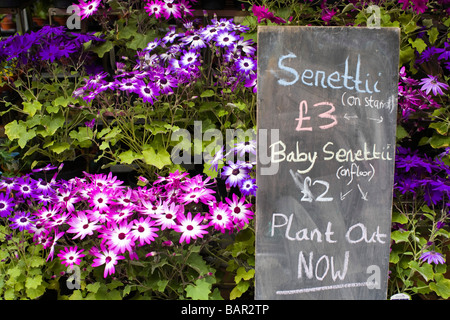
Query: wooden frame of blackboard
(326,116)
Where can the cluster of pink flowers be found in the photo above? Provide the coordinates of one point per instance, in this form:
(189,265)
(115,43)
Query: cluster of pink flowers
(102,219)
(159,8)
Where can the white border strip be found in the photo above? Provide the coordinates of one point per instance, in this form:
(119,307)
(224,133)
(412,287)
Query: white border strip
(337,286)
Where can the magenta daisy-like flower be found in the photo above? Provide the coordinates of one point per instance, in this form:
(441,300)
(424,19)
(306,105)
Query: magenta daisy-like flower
(58,219)
(190,228)
(432,257)
(197,195)
(147,91)
(166,218)
(209,32)
(151,208)
(171,8)
(82,226)
(143,230)
(239,209)
(432,84)
(6,205)
(70,256)
(46,213)
(51,242)
(24,187)
(118,237)
(171,35)
(220,216)
(7,184)
(67,198)
(100,199)
(128,84)
(195,41)
(155,7)
(88,8)
(106,257)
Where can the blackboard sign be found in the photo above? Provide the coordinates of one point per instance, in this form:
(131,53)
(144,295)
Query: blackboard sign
(327,106)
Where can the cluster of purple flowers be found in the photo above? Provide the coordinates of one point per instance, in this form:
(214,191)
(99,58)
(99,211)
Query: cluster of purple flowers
(239,173)
(420,175)
(412,97)
(47,45)
(175,60)
(418,95)
(97,217)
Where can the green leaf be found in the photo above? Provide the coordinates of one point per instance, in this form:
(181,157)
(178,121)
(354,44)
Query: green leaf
(399,218)
(207,93)
(18,130)
(31,107)
(235,293)
(63,101)
(433,33)
(426,270)
(199,291)
(141,41)
(50,125)
(33,282)
(439,141)
(129,156)
(156,157)
(76,295)
(440,127)
(93,287)
(441,286)
(37,261)
(111,133)
(103,48)
(401,133)
(418,44)
(400,236)
(82,136)
(241,274)
(14,272)
(59,147)
(196,262)
(406,55)
(34,293)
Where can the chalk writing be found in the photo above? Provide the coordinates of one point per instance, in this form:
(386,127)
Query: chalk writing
(335,80)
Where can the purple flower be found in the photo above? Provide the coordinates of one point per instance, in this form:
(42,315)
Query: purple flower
(433,257)
(21,221)
(235,173)
(6,205)
(262,13)
(147,91)
(249,187)
(90,124)
(445,52)
(189,58)
(246,65)
(225,38)
(432,84)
